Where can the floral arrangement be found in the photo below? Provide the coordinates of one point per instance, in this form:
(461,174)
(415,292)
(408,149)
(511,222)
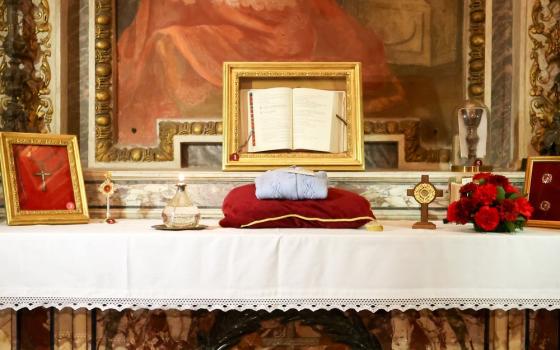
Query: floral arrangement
(491,203)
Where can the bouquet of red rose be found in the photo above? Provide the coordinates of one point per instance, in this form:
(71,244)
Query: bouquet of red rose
(491,203)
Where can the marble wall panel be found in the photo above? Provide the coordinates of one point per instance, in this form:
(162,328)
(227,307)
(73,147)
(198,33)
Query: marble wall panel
(146,196)
(199,155)
(500,126)
(70,329)
(516,329)
(381,155)
(6,337)
(143,329)
(378,155)
(81,336)
(34,329)
(543,330)
(63,326)
(173,329)
(443,329)
(81,109)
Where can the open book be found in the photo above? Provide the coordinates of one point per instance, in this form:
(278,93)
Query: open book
(296,119)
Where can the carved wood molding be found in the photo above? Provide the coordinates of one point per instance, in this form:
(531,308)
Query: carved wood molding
(544,78)
(25,31)
(477,47)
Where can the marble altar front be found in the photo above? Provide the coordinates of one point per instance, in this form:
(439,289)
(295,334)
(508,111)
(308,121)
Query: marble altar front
(143,194)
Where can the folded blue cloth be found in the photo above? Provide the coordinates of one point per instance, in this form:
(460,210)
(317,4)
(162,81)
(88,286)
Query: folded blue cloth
(292,183)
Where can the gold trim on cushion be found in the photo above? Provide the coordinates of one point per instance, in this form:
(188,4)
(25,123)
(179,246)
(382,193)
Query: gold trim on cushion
(256,222)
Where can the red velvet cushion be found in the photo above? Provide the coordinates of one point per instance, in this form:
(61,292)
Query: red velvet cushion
(341,209)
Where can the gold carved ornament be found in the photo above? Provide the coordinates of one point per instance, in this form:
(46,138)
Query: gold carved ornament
(425,193)
(544,33)
(36,32)
(44,105)
(477,47)
(105,147)
(413,149)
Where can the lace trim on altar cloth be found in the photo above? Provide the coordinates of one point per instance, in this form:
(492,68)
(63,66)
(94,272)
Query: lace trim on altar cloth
(372,305)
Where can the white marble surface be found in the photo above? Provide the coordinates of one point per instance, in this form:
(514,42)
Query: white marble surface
(143,194)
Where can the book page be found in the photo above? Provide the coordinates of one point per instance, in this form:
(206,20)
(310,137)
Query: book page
(313,111)
(339,135)
(270,119)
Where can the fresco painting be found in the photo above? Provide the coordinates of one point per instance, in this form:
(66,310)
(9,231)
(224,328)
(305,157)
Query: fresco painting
(170,55)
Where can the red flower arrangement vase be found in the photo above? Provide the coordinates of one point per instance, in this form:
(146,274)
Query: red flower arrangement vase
(492,204)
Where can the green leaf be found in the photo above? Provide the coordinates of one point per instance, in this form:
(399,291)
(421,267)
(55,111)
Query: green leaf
(510,226)
(515,195)
(501,193)
(478,228)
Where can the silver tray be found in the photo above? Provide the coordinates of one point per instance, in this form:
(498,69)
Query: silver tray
(165,228)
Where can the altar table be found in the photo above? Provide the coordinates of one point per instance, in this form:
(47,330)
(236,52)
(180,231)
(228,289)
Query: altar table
(131,265)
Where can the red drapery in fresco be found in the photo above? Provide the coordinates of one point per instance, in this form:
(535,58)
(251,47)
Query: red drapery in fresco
(170,57)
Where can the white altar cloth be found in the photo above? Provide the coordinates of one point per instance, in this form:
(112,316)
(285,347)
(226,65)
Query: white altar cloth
(131,265)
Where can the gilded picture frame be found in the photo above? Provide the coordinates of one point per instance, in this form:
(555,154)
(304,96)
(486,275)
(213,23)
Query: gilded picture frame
(42,179)
(107,151)
(291,74)
(542,186)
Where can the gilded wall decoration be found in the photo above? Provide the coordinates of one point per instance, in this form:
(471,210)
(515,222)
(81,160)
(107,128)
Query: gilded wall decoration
(106,148)
(413,149)
(477,40)
(25,30)
(119,137)
(43,31)
(544,78)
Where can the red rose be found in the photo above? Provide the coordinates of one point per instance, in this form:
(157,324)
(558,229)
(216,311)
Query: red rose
(498,180)
(467,189)
(485,194)
(487,218)
(524,207)
(458,213)
(481,177)
(508,210)
(468,206)
(511,189)
(453,211)
(463,211)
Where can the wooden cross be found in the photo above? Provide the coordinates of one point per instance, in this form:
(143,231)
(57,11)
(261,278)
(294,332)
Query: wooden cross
(424,193)
(43,174)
